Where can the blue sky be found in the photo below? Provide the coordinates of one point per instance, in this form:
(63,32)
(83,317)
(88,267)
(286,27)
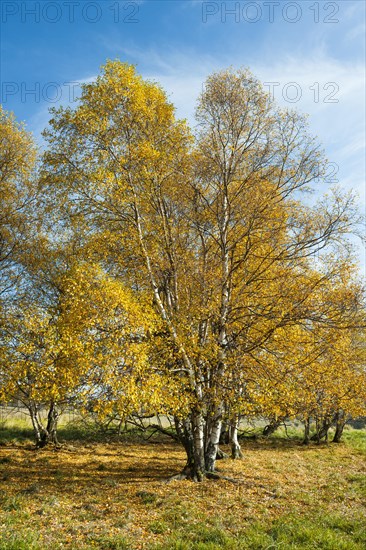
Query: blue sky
(311,54)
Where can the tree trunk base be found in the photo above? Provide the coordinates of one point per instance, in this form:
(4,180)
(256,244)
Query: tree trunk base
(188,474)
(221,455)
(47,442)
(236,453)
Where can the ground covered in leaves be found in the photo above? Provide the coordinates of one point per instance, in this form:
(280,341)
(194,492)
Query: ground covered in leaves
(114,495)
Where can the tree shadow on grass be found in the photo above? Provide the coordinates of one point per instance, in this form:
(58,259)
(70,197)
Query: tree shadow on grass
(69,471)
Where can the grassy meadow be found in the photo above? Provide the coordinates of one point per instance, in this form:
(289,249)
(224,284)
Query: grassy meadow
(113,494)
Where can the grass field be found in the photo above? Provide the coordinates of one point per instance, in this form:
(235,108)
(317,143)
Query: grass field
(113,495)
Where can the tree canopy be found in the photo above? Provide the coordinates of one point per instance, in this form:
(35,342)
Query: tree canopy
(199,282)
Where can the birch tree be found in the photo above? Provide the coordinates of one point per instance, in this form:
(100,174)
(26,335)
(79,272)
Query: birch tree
(88,338)
(211,227)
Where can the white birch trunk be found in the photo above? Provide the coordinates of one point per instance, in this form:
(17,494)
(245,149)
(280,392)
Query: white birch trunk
(235,446)
(198,446)
(213,444)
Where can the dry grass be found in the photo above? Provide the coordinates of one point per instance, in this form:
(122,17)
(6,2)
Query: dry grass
(113,495)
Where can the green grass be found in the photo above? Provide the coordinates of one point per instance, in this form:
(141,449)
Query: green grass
(14,541)
(329,532)
(355,439)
